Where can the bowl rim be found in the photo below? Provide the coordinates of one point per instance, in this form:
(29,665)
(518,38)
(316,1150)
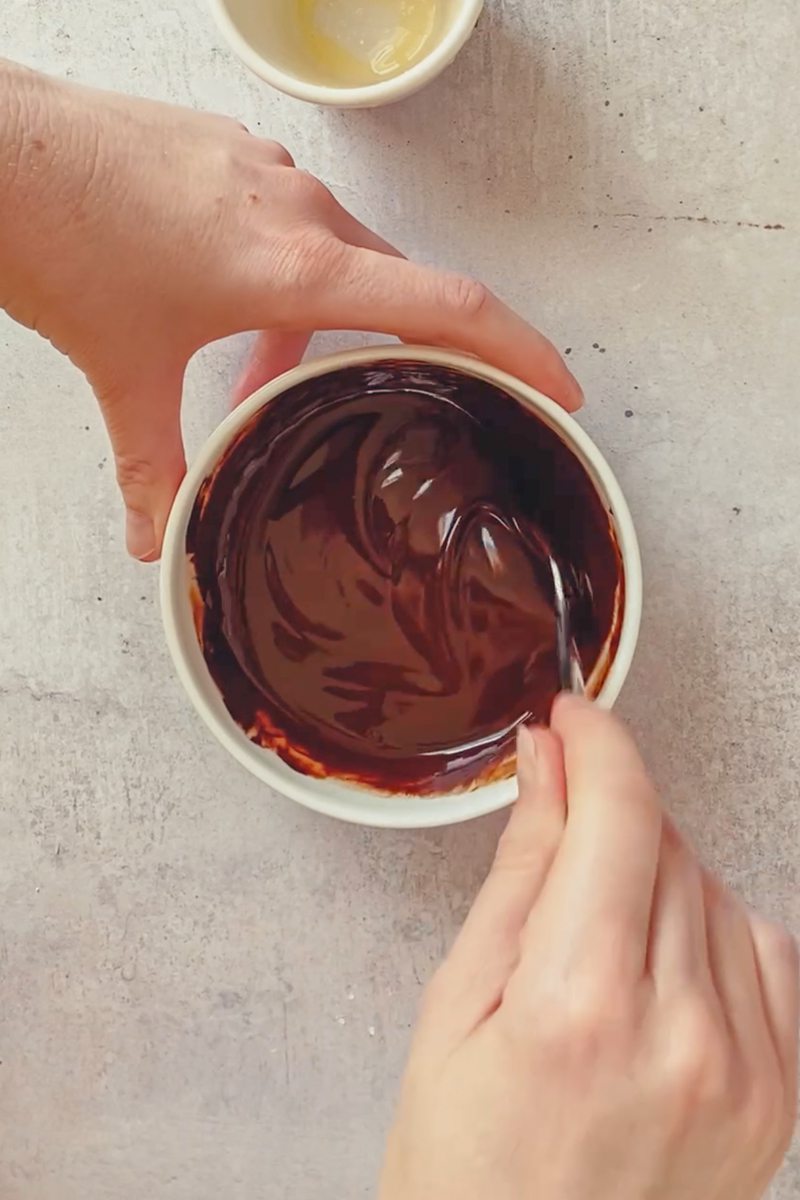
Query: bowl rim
(368,95)
(333,797)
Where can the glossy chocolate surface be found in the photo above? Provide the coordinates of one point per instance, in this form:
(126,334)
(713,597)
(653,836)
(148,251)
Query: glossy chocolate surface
(373,596)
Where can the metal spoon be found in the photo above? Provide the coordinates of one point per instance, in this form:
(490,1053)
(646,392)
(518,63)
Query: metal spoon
(569,664)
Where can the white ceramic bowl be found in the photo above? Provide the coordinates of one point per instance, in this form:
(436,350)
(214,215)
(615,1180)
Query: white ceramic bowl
(350,802)
(260,32)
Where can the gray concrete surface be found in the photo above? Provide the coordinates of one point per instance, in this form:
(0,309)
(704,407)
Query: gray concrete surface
(205,991)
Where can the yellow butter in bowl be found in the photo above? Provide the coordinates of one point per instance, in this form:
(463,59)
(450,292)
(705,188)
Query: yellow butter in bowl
(357,42)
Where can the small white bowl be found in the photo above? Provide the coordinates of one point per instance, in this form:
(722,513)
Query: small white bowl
(260,32)
(334,797)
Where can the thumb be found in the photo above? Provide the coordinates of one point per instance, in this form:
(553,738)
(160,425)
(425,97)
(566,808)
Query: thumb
(470,984)
(142,417)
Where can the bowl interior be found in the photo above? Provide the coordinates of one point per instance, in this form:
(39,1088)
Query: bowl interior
(317,42)
(330,795)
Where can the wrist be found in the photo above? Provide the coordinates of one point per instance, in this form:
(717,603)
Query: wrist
(44,172)
(14,87)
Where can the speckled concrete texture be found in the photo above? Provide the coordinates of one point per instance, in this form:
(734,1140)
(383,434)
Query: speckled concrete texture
(205,991)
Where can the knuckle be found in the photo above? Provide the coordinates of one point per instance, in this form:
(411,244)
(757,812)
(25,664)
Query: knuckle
(591,1021)
(765,1119)
(776,943)
(697,1070)
(311,193)
(308,256)
(719,899)
(218,121)
(466,297)
(134,473)
(516,854)
(581,1024)
(278,154)
(785,947)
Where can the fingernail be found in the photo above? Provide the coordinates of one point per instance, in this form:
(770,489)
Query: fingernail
(527,752)
(578,397)
(140,536)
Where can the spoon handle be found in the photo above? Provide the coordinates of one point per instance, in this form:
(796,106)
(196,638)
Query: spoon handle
(570,674)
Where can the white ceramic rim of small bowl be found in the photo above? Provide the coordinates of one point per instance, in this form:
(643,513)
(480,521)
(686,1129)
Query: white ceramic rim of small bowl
(336,798)
(369,95)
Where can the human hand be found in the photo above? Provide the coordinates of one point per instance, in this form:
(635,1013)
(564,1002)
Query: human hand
(611,1024)
(133,233)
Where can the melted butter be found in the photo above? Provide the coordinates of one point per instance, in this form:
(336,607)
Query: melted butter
(356,42)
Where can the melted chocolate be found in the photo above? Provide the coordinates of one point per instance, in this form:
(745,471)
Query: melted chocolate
(374,600)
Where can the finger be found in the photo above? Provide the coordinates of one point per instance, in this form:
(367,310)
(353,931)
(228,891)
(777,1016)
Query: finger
(778,971)
(272,353)
(732,960)
(678,951)
(388,295)
(472,980)
(143,422)
(599,894)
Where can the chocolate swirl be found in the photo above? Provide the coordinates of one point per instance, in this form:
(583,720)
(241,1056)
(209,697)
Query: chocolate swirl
(374,600)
